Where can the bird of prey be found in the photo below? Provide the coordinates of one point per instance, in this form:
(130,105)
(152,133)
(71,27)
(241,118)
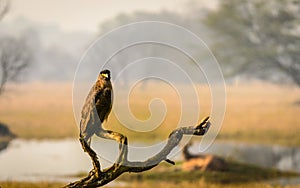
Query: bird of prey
(97,107)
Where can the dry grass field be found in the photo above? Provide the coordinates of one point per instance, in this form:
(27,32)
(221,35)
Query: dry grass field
(39,110)
(255,112)
(262,113)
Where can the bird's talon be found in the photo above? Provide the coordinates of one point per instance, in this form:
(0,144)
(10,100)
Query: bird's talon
(204,121)
(206,127)
(92,172)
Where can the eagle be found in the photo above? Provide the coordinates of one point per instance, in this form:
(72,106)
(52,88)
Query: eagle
(96,108)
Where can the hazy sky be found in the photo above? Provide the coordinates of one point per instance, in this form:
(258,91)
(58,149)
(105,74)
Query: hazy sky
(86,15)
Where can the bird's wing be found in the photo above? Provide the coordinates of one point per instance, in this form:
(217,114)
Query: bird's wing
(103,102)
(89,114)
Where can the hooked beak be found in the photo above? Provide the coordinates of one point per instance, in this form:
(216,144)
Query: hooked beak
(105,75)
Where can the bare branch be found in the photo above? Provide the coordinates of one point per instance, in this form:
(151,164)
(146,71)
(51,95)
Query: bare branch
(97,178)
(15,56)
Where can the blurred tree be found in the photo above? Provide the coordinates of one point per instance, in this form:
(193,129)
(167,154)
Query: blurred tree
(14,54)
(189,20)
(14,58)
(257,37)
(4,6)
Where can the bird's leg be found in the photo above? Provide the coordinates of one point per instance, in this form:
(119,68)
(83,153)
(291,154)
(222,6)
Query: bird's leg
(121,139)
(93,155)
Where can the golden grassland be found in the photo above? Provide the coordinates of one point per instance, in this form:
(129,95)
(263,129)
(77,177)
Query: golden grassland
(262,113)
(39,110)
(255,112)
(18,184)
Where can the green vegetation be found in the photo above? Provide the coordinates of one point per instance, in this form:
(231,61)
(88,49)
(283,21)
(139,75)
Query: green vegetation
(201,184)
(258,38)
(236,173)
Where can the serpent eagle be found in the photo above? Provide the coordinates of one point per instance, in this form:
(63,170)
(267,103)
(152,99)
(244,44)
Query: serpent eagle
(97,107)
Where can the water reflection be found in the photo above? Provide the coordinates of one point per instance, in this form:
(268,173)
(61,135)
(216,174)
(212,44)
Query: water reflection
(54,160)
(30,160)
(3,145)
(280,157)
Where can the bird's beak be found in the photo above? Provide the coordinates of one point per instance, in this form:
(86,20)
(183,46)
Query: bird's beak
(105,75)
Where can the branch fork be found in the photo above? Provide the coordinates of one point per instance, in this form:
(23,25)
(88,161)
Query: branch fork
(98,177)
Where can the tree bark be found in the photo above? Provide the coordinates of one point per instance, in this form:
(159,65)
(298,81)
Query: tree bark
(98,177)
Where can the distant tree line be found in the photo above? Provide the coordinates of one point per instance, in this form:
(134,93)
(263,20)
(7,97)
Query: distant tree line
(257,37)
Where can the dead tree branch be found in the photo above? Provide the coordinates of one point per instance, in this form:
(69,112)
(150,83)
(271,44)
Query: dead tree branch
(98,177)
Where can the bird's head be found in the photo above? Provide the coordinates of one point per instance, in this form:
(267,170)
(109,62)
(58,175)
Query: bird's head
(105,74)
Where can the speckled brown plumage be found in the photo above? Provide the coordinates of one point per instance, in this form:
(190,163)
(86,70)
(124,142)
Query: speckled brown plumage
(97,106)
